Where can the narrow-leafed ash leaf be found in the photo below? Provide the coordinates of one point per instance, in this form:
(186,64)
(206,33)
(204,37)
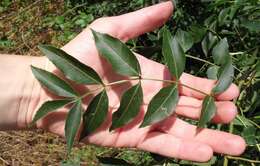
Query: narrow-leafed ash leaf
(207,112)
(71,67)
(129,107)
(118,54)
(48,107)
(162,105)
(72,124)
(173,54)
(54,84)
(95,114)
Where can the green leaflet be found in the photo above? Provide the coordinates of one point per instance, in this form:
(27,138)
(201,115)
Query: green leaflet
(208,111)
(118,54)
(185,39)
(212,72)
(226,75)
(129,107)
(95,114)
(71,67)
(220,52)
(208,42)
(72,124)
(53,83)
(162,105)
(173,54)
(48,107)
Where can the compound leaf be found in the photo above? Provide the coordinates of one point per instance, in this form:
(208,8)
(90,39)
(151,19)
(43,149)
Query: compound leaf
(71,67)
(117,54)
(48,107)
(162,105)
(208,111)
(173,54)
(53,83)
(129,107)
(72,124)
(95,114)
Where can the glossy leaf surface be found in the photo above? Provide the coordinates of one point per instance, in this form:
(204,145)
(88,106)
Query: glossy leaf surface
(208,111)
(48,107)
(72,124)
(129,107)
(95,114)
(117,54)
(226,76)
(53,83)
(162,105)
(220,52)
(173,54)
(71,67)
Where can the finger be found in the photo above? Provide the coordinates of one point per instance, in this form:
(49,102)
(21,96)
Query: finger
(221,142)
(170,146)
(133,24)
(205,85)
(191,108)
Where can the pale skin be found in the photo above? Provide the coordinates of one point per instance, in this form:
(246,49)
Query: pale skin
(21,96)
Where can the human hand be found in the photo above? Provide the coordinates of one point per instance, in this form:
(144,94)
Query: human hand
(172,137)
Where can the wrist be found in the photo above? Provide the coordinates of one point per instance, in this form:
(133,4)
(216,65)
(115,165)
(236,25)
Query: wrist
(20,92)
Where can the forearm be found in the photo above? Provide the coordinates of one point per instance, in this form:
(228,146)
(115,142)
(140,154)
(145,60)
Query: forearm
(19,90)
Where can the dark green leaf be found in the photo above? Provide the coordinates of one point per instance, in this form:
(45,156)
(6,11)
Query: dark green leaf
(71,67)
(185,39)
(129,107)
(53,83)
(251,25)
(109,161)
(173,54)
(49,106)
(208,111)
(208,42)
(72,124)
(212,72)
(197,32)
(118,54)
(220,52)
(223,16)
(226,75)
(162,105)
(95,114)
(249,134)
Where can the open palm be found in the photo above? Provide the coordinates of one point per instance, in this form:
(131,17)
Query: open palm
(172,137)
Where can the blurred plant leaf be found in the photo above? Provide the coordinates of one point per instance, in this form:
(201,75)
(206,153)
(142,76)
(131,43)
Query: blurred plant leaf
(118,54)
(129,107)
(95,114)
(220,52)
(197,32)
(173,54)
(185,39)
(207,112)
(249,134)
(223,16)
(225,77)
(72,124)
(53,83)
(162,105)
(48,107)
(208,42)
(212,72)
(110,161)
(71,67)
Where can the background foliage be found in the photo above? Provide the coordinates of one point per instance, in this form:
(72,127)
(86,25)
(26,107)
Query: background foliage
(25,24)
